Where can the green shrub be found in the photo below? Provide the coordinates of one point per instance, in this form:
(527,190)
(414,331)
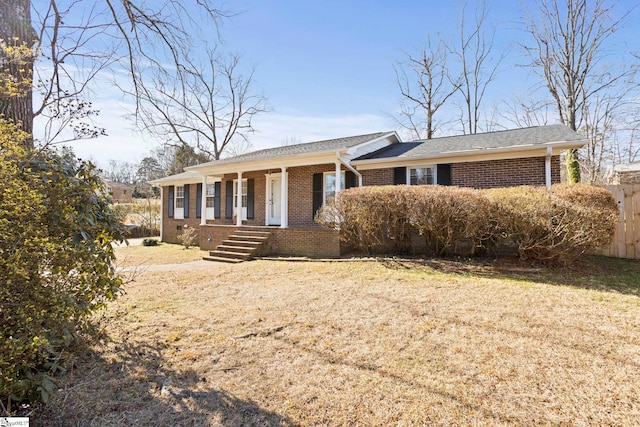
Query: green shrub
(150,242)
(56,263)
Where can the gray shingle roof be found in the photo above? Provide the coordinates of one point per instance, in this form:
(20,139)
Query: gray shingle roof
(532,136)
(290,150)
(178,177)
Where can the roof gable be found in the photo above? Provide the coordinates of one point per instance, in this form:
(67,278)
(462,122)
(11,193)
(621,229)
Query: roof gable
(297,149)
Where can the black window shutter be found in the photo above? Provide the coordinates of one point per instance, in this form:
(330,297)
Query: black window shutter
(170,201)
(443,172)
(186,200)
(250,198)
(199,200)
(216,199)
(400,175)
(317,192)
(350,180)
(229,200)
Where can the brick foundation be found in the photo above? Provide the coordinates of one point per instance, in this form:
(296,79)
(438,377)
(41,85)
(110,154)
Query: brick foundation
(313,242)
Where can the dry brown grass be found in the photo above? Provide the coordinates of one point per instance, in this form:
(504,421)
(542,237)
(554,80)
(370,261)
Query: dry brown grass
(136,255)
(387,343)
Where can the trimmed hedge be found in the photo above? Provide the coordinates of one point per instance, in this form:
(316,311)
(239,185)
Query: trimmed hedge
(555,224)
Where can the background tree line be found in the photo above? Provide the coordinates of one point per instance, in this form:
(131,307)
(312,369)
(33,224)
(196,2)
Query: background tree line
(580,82)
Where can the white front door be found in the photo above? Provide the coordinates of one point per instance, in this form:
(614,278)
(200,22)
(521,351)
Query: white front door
(273,199)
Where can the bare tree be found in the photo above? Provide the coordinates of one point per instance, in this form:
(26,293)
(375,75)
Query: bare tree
(568,49)
(473,52)
(206,105)
(425,86)
(76,41)
(526,112)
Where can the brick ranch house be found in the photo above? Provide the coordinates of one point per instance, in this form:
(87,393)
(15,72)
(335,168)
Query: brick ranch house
(264,202)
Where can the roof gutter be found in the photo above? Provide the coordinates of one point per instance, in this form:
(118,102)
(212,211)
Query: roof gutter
(351,168)
(559,145)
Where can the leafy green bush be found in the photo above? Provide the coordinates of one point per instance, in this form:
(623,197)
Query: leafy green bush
(150,242)
(56,263)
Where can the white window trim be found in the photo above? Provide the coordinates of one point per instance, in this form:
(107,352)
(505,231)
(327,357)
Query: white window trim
(210,211)
(324,180)
(433,167)
(245,196)
(178,213)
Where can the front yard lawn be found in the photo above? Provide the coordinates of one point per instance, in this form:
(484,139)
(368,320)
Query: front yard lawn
(402,342)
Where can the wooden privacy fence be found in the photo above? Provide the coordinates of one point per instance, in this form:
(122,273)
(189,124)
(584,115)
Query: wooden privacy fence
(626,241)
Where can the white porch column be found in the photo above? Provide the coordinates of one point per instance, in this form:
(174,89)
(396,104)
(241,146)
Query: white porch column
(284,202)
(162,208)
(239,201)
(203,201)
(338,172)
(547,167)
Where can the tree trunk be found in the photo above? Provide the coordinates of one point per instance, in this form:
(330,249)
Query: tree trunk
(16,29)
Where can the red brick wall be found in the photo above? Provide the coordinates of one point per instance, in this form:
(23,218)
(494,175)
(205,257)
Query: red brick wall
(311,242)
(504,173)
(377,177)
(485,174)
(212,236)
(172,227)
(301,193)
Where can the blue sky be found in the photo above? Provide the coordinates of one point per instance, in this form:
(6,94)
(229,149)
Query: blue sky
(327,67)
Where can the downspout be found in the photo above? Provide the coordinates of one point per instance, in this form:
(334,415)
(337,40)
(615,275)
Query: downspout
(351,168)
(547,167)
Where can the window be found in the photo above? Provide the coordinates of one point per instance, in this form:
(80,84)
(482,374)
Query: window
(330,186)
(245,190)
(179,197)
(211,194)
(422,176)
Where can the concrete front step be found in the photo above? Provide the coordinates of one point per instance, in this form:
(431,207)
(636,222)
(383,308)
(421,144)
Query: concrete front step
(222,259)
(230,254)
(242,243)
(253,232)
(247,237)
(231,248)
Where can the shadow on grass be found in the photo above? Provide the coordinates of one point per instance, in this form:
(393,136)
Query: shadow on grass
(589,272)
(131,385)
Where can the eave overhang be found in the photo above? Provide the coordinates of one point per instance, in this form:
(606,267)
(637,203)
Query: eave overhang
(471,155)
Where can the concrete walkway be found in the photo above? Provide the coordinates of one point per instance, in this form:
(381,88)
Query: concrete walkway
(191,265)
